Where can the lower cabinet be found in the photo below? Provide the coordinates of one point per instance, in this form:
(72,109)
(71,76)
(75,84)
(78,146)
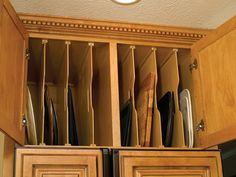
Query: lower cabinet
(44,162)
(168,163)
(58,163)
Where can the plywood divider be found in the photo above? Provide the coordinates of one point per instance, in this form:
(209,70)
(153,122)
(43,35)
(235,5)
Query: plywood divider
(83,94)
(127,80)
(146,65)
(36,83)
(186,78)
(65,101)
(41,92)
(156,135)
(169,78)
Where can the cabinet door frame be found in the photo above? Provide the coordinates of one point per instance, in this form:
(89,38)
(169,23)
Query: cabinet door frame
(209,135)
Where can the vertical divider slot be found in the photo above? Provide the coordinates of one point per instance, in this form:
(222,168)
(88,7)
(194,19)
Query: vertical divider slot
(80,81)
(57,66)
(145,63)
(36,83)
(186,82)
(150,65)
(126,87)
(169,81)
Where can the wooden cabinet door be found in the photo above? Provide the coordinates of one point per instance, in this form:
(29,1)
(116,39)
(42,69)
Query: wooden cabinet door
(13,42)
(215,85)
(58,162)
(169,164)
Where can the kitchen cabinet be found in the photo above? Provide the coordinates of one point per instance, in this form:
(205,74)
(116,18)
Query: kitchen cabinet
(58,162)
(90,57)
(168,163)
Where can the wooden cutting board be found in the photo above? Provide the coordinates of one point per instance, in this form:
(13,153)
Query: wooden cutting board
(144,105)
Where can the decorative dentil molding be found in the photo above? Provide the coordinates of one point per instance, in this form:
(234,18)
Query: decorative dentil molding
(111,30)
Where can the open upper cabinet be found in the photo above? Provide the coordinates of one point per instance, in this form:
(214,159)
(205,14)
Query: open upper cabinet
(104,64)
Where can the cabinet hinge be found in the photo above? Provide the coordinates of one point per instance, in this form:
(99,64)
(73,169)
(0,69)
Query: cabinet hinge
(24,121)
(200,126)
(27,54)
(193,65)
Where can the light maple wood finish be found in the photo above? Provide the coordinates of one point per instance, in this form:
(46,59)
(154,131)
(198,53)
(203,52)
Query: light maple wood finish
(58,162)
(1,152)
(42,91)
(65,90)
(36,82)
(169,81)
(169,163)
(81,74)
(142,106)
(186,81)
(8,163)
(129,33)
(56,79)
(156,133)
(48,171)
(115,108)
(6,155)
(126,85)
(13,66)
(214,83)
(102,95)
(48,24)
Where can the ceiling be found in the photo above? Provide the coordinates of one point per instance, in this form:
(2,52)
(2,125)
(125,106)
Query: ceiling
(188,13)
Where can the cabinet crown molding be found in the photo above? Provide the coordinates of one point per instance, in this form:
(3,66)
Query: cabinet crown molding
(180,36)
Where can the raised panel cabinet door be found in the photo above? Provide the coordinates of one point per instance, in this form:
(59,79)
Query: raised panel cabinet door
(13,42)
(32,162)
(169,164)
(215,85)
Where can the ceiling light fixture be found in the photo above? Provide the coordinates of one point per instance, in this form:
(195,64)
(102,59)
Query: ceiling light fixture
(125,2)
